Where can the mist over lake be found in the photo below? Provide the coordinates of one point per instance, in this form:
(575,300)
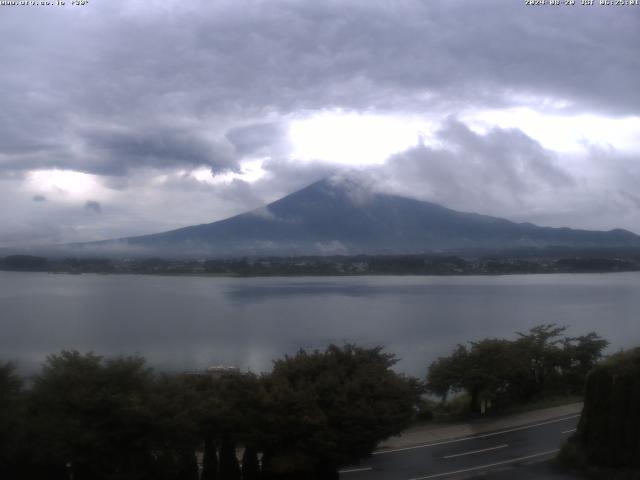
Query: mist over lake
(187,323)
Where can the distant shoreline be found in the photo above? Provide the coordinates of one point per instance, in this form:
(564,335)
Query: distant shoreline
(337,266)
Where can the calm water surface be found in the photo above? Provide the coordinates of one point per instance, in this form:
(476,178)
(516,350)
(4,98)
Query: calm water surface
(194,322)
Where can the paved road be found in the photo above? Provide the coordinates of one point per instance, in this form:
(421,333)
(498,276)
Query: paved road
(467,457)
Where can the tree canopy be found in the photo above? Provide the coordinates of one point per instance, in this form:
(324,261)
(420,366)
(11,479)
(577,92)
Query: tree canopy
(335,406)
(97,418)
(609,429)
(497,372)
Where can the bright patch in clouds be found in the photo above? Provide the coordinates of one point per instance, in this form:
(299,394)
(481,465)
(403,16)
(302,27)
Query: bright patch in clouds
(68,182)
(562,133)
(368,139)
(355,139)
(250,171)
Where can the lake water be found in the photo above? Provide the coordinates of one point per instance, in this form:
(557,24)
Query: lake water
(183,323)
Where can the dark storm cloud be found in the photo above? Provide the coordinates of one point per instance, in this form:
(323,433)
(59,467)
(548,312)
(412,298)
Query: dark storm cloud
(93,206)
(357,54)
(117,151)
(239,193)
(163,87)
(405,54)
(262,139)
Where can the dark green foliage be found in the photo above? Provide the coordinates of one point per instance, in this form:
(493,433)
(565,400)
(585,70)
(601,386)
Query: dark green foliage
(495,373)
(174,407)
(92,414)
(10,384)
(331,408)
(229,411)
(250,465)
(609,430)
(542,351)
(424,410)
(114,419)
(187,466)
(581,355)
(231,405)
(594,423)
(210,460)
(12,433)
(229,467)
(487,371)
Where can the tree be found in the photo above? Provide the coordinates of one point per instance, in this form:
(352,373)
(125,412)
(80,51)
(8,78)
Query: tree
(209,460)
(326,409)
(582,354)
(542,347)
(12,434)
(229,466)
(488,371)
(496,372)
(250,464)
(95,418)
(176,433)
(187,466)
(446,374)
(229,412)
(91,416)
(608,433)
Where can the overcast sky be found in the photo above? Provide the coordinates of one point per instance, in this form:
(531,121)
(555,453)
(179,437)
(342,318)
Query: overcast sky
(129,117)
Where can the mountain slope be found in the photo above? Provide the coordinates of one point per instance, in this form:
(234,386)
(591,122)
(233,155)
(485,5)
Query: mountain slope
(330,217)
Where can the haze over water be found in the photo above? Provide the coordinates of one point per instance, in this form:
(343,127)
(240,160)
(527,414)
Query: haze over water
(186,323)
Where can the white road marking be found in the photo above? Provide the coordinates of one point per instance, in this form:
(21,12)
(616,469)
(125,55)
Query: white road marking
(482,467)
(354,470)
(474,437)
(477,451)
(570,430)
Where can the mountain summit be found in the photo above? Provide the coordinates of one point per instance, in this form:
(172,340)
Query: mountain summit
(338,216)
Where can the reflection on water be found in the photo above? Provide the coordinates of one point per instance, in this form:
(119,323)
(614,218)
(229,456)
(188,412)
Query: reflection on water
(193,322)
(255,293)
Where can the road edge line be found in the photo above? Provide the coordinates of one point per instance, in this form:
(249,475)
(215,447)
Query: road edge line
(481,467)
(474,437)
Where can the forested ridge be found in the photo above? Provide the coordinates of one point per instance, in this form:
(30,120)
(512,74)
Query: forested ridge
(469,263)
